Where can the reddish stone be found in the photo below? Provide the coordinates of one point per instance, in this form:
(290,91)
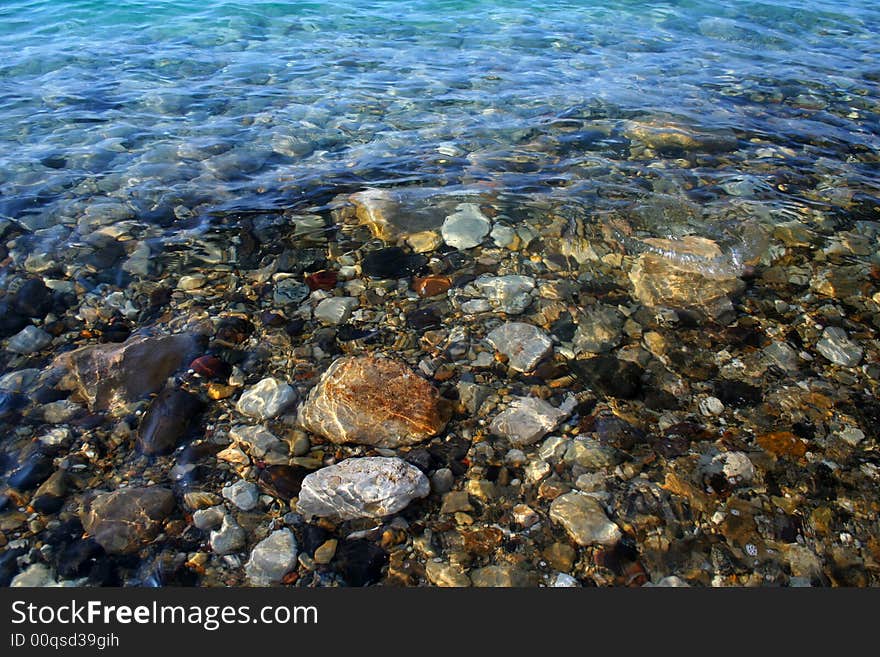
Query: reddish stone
(322,280)
(210,367)
(373,401)
(431,286)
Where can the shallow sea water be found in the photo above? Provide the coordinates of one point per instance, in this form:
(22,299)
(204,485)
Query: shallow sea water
(198,106)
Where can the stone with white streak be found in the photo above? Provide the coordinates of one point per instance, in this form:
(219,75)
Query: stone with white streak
(368,487)
(523,344)
(526,420)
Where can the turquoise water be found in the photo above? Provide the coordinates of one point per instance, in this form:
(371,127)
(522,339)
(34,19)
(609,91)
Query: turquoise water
(178,108)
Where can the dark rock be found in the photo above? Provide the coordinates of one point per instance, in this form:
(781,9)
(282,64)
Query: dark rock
(33,299)
(9,564)
(423,319)
(167,421)
(116,331)
(111,374)
(322,280)
(421,458)
(195,452)
(564,328)
(450,454)
(737,393)
(282,481)
(391,262)
(35,470)
(295,327)
(347,333)
(360,562)
(10,404)
(48,394)
(10,321)
(611,430)
(211,367)
(313,537)
(127,519)
(50,496)
(609,376)
(660,400)
(234,329)
(269,318)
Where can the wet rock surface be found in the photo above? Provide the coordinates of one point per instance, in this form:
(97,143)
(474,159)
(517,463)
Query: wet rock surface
(370,487)
(373,401)
(115,374)
(127,519)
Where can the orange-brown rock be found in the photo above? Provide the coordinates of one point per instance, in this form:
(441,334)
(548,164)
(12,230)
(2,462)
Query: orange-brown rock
(373,401)
(430,286)
(783,443)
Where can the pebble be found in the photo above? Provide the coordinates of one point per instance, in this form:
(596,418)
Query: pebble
(711,406)
(446,575)
(424,241)
(508,294)
(503,236)
(526,420)
(851,435)
(335,310)
(257,439)
(272,558)
(523,344)
(242,494)
(368,487)
(325,552)
(19,380)
(127,519)
(466,227)
(189,283)
(266,399)
(29,340)
(373,401)
(167,421)
(289,291)
(442,480)
(599,330)
(109,375)
(584,519)
(836,346)
(229,538)
(209,518)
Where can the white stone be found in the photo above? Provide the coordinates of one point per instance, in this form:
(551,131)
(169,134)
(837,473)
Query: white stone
(584,519)
(475,306)
(229,538)
(523,344)
(503,236)
(194,282)
(242,494)
(335,310)
(209,518)
(368,487)
(526,420)
(465,228)
(564,580)
(266,399)
(272,558)
(711,406)
(736,466)
(510,294)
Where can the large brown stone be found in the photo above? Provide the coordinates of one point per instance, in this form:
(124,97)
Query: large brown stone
(125,520)
(109,375)
(686,274)
(373,401)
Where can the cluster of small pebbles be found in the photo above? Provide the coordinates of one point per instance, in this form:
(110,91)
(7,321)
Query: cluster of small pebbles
(424,386)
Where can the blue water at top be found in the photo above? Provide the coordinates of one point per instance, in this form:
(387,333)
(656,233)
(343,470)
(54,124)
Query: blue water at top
(170,106)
